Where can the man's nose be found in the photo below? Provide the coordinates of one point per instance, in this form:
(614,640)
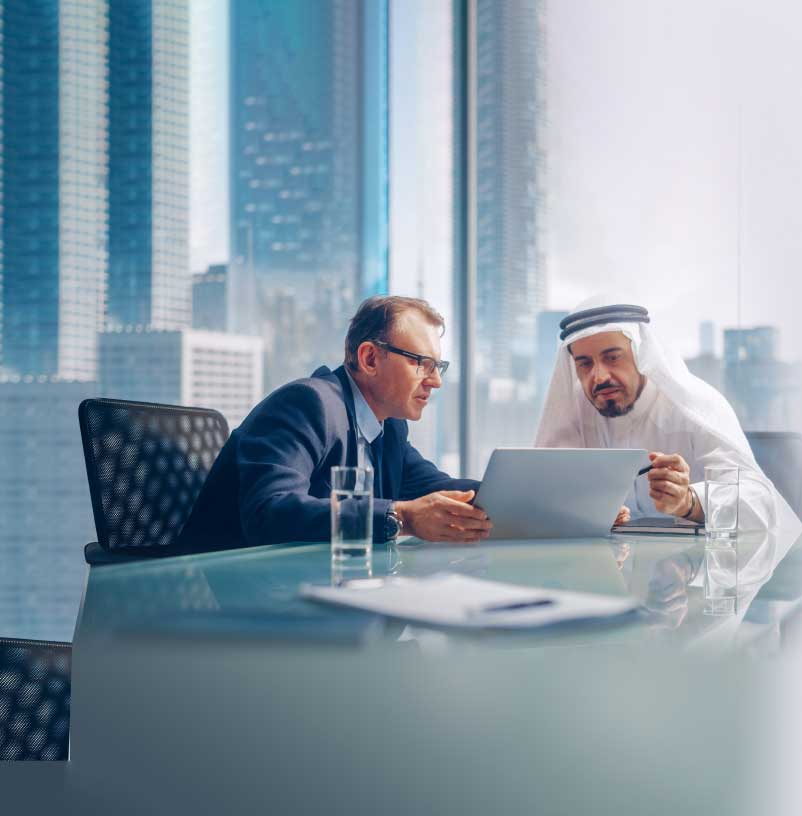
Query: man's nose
(600,373)
(434,380)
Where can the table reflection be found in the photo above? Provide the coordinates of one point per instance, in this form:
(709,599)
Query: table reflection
(255,591)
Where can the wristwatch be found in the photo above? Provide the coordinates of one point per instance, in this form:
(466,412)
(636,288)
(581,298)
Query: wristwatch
(392,524)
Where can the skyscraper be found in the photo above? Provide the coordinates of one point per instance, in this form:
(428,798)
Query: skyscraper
(761,388)
(707,342)
(210,299)
(510,180)
(54,215)
(308,160)
(149,279)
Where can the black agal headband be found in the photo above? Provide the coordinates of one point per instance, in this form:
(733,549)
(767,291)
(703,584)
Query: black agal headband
(620,313)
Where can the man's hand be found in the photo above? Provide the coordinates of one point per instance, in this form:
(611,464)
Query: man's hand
(444,516)
(669,484)
(623,515)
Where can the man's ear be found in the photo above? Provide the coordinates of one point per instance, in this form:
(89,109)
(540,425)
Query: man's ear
(367,355)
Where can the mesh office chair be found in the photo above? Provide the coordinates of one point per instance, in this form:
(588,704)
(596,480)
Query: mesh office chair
(146,464)
(34,699)
(779,454)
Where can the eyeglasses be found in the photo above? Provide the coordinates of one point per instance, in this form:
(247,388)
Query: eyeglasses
(428,364)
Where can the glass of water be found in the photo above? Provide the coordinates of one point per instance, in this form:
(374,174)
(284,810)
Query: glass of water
(351,513)
(721,503)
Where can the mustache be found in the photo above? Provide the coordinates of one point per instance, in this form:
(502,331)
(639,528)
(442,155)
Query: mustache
(602,386)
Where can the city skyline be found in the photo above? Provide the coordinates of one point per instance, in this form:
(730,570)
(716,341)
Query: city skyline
(625,242)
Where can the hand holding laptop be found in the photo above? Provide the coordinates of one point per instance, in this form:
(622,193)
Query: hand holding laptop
(444,516)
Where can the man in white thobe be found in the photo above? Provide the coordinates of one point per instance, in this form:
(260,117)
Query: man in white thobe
(616,386)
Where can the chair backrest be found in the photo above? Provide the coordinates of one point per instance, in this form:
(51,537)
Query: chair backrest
(146,464)
(779,454)
(34,699)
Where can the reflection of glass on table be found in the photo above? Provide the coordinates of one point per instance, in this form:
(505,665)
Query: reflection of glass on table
(350,569)
(721,578)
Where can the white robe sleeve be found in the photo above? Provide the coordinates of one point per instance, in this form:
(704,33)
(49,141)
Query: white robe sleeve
(757,509)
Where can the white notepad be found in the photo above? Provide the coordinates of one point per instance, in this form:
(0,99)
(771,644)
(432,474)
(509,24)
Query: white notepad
(450,599)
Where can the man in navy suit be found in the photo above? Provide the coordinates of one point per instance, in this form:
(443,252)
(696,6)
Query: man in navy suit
(271,481)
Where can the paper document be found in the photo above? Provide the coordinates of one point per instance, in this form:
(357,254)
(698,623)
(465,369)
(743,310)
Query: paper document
(450,599)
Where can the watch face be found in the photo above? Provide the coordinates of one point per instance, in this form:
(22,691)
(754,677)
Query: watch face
(391,526)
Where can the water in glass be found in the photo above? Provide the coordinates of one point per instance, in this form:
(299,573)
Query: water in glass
(351,523)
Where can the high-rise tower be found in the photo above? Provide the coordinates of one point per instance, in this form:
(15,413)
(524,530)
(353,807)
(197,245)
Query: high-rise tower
(53,173)
(149,276)
(510,183)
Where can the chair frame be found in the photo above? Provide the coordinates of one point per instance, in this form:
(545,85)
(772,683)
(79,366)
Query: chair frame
(100,552)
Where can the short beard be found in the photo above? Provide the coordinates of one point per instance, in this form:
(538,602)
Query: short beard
(613,410)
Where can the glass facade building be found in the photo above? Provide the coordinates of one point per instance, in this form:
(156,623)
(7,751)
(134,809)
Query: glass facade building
(501,235)
(149,280)
(54,201)
(308,165)
(510,184)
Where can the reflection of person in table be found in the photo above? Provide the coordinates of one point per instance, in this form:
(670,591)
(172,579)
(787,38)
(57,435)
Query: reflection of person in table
(616,386)
(271,481)
(667,596)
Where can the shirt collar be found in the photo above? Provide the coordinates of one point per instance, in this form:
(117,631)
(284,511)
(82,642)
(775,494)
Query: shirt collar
(369,427)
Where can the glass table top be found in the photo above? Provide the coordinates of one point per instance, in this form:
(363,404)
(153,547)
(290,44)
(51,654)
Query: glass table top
(254,592)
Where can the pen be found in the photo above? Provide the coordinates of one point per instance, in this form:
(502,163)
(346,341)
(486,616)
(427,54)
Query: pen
(645,470)
(517,605)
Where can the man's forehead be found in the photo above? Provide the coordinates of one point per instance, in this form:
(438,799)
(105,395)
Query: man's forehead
(598,343)
(412,327)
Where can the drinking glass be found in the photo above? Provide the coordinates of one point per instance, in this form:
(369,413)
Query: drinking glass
(351,512)
(721,503)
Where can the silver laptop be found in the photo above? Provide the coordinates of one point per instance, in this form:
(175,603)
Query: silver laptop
(557,492)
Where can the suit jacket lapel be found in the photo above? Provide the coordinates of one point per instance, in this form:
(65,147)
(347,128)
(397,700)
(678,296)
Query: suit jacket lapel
(351,456)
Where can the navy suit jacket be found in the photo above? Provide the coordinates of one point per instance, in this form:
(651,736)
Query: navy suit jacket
(270,482)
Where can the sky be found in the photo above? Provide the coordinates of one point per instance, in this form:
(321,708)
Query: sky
(659,113)
(646,103)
